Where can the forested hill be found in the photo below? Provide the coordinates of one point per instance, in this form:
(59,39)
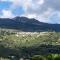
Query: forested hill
(27,25)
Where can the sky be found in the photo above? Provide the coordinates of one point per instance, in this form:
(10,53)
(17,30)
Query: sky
(43,10)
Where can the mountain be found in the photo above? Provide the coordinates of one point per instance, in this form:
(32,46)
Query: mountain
(28,25)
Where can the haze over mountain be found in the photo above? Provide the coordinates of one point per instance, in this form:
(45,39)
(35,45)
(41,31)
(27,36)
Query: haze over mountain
(28,25)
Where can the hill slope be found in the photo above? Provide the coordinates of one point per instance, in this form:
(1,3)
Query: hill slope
(27,25)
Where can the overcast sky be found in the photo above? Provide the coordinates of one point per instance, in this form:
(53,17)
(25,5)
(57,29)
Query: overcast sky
(42,10)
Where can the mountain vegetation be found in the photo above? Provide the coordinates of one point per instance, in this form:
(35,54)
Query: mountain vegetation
(28,25)
(28,39)
(29,45)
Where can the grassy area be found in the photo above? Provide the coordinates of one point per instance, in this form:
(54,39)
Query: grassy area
(46,57)
(21,39)
(40,57)
(23,43)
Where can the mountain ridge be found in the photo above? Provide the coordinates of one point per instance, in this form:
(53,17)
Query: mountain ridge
(28,25)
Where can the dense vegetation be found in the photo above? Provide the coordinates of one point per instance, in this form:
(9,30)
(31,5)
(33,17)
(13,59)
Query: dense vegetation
(46,57)
(32,45)
(40,57)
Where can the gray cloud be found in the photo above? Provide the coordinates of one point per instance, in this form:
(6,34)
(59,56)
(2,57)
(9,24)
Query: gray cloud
(42,10)
(53,4)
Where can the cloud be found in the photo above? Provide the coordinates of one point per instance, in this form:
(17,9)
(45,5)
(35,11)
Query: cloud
(42,10)
(46,11)
(30,15)
(3,0)
(54,4)
(6,14)
(54,17)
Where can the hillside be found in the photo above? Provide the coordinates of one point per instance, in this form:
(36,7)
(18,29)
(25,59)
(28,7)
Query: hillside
(28,25)
(26,45)
(21,37)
